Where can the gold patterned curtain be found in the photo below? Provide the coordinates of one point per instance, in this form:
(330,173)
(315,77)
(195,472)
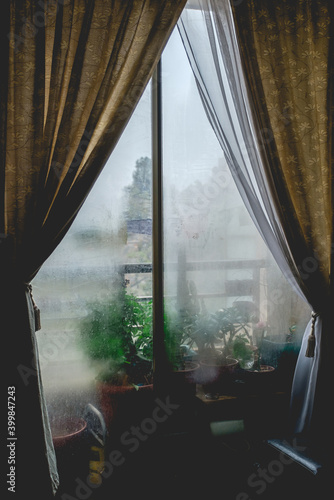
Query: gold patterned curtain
(287,51)
(72,73)
(76,72)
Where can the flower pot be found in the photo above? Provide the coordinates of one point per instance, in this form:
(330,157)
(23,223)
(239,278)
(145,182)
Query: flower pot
(216,374)
(279,353)
(67,432)
(265,370)
(123,405)
(182,382)
(260,380)
(69,436)
(283,357)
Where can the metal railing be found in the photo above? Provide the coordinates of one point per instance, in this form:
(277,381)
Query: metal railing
(253,265)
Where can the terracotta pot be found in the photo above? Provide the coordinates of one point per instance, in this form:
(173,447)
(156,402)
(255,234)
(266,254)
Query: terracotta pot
(122,405)
(67,431)
(69,436)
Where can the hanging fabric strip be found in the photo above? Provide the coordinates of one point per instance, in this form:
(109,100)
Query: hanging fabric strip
(311,338)
(37,311)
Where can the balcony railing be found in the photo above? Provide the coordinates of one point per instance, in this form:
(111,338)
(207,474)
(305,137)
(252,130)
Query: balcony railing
(236,287)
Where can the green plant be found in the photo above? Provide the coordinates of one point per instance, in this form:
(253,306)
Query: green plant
(174,339)
(143,333)
(202,333)
(242,352)
(233,329)
(221,334)
(190,331)
(109,334)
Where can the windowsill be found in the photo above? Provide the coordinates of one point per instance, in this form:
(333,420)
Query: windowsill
(265,413)
(241,396)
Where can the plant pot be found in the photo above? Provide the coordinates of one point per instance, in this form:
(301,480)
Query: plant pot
(69,436)
(265,370)
(182,382)
(67,431)
(217,374)
(247,362)
(259,380)
(283,357)
(123,405)
(277,354)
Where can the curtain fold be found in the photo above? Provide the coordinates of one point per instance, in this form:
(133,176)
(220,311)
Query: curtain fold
(73,72)
(287,51)
(215,60)
(263,70)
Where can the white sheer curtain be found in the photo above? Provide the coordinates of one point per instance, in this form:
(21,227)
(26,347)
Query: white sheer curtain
(209,36)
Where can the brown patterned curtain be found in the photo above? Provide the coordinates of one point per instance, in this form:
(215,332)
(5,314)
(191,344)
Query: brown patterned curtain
(287,55)
(72,73)
(287,50)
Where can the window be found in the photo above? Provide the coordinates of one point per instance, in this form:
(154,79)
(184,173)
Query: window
(112,229)
(215,262)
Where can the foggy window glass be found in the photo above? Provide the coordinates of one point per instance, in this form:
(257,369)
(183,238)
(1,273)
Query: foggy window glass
(221,284)
(87,285)
(224,294)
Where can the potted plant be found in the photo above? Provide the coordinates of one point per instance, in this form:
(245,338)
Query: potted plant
(69,436)
(281,352)
(143,332)
(244,352)
(274,345)
(238,343)
(259,377)
(182,359)
(225,344)
(109,334)
(232,326)
(204,336)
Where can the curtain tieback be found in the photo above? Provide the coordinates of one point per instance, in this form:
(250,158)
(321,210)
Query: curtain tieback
(311,338)
(37,312)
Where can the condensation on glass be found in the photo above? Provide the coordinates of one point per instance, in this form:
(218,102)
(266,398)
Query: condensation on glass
(214,258)
(107,249)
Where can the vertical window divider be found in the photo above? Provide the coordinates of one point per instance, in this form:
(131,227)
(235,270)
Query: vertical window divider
(160,364)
